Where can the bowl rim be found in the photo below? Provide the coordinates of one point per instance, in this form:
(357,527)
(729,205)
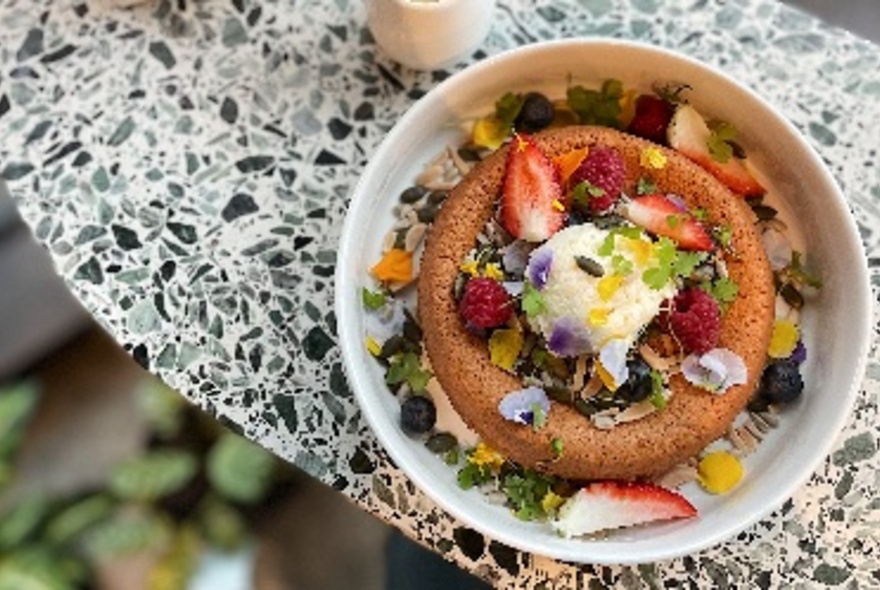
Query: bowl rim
(346,287)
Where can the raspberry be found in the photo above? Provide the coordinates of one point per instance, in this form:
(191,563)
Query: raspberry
(694,319)
(485,304)
(652,118)
(605,170)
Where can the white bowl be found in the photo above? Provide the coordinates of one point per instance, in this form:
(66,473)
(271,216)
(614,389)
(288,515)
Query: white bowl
(835,322)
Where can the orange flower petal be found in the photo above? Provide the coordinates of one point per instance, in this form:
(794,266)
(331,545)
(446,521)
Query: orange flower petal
(396,266)
(568,162)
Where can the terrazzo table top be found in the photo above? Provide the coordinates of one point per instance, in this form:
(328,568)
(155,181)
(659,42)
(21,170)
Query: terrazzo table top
(188,168)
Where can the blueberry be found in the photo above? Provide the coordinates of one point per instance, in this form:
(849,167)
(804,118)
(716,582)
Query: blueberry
(781,382)
(639,384)
(417,414)
(536,113)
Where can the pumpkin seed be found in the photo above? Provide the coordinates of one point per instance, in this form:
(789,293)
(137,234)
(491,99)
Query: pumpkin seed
(560,394)
(428,213)
(764,212)
(413,194)
(792,296)
(589,266)
(437,197)
(441,442)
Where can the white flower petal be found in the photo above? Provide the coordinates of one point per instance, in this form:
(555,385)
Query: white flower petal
(613,359)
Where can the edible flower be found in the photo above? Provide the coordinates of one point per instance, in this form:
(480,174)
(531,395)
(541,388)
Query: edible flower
(568,162)
(540,263)
(784,339)
(492,271)
(569,338)
(799,354)
(525,406)
(396,266)
(608,286)
(551,501)
(504,347)
(373,347)
(715,371)
(484,456)
(719,472)
(612,363)
(469,267)
(598,316)
(652,158)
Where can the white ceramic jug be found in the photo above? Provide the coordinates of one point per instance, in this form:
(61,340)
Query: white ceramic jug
(429,34)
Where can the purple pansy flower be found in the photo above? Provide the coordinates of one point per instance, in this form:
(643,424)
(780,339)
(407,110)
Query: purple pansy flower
(520,406)
(799,354)
(569,338)
(538,270)
(716,370)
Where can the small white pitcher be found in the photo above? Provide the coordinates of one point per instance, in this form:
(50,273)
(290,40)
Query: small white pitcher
(429,34)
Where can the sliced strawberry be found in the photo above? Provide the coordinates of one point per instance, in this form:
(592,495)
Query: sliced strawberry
(531,199)
(689,135)
(612,504)
(663,217)
(652,118)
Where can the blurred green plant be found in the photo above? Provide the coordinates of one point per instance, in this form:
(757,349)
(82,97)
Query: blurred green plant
(192,487)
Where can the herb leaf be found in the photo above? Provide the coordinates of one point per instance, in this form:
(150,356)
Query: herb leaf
(597,107)
(646,186)
(719,148)
(532,301)
(372,299)
(723,289)
(407,368)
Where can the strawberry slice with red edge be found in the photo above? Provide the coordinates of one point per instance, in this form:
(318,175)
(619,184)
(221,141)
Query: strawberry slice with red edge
(531,199)
(689,134)
(613,504)
(663,217)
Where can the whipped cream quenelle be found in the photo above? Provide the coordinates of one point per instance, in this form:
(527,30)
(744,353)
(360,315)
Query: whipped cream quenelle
(590,280)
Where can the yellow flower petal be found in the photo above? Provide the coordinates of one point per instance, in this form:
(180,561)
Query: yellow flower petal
(598,316)
(550,502)
(504,347)
(493,271)
(469,267)
(373,347)
(784,339)
(608,286)
(489,132)
(641,250)
(719,472)
(652,158)
(627,104)
(557,204)
(606,377)
(483,455)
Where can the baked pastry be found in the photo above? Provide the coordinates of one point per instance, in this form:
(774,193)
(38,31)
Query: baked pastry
(646,447)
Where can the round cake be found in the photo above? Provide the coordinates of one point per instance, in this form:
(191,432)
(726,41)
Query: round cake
(646,447)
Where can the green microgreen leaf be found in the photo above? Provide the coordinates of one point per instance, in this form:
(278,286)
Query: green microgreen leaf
(539,416)
(407,368)
(607,246)
(699,213)
(723,234)
(532,300)
(372,299)
(646,186)
(620,265)
(686,262)
(719,148)
(673,221)
(597,107)
(800,274)
(723,289)
(473,475)
(657,398)
(557,445)
(525,492)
